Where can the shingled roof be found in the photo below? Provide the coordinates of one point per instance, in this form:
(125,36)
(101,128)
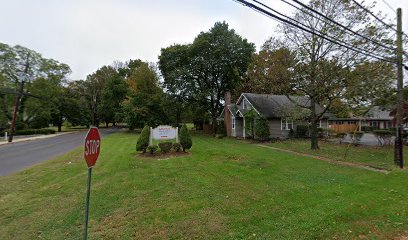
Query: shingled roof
(277,106)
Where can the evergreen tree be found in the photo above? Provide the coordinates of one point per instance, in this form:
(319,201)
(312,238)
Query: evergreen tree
(185,139)
(143,141)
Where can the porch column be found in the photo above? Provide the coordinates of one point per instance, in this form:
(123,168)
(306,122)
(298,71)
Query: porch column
(243,130)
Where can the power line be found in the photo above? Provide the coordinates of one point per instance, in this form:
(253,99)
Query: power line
(337,23)
(306,29)
(304,25)
(375,16)
(388,5)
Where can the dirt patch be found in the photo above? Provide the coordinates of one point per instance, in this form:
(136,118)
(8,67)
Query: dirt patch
(163,156)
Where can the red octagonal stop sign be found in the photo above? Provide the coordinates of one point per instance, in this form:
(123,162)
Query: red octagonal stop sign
(92,146)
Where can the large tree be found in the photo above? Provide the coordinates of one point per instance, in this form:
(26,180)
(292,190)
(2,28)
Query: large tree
(20,66)
(321,69)
(203,71)
(144,103)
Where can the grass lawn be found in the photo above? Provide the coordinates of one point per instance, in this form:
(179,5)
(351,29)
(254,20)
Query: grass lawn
(225,189)
(380,157)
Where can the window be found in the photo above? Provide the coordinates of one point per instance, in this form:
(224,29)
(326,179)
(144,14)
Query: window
(233,123)
(389,124)
(286,124)
(320,124)
(243,103)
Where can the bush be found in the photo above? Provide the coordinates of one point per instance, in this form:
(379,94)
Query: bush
(367,128)
(262,129)
(185,139)
(221,131)
(34,131)
(341,136)
(291,133)
(177,147)
(384,136)
(165,147)
(143,141)
(301,131)
(152,149)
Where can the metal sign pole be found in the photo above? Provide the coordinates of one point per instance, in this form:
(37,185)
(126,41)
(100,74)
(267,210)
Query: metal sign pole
(87,203)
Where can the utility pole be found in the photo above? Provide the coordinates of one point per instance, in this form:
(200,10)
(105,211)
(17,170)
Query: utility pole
(398,160)
(15,111)
(17,101)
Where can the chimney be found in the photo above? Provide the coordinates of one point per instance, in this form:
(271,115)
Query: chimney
(227,113)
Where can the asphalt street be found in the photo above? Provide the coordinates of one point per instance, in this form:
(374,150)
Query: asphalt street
(20,155)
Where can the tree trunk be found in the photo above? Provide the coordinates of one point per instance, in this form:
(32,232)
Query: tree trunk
(313,129)
(107,124)
(60,127)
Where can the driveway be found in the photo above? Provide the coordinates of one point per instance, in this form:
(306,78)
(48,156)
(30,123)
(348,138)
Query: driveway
(368,139)
(20,155)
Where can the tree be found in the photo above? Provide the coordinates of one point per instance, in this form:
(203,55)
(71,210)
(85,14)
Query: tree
(262,129)
(93,87)
(144,105)
(321,68)
(110,108)
(203,71)
(143,140)
(185,139)
(20,66)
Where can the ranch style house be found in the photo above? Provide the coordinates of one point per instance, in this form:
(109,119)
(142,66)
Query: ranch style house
(279,110)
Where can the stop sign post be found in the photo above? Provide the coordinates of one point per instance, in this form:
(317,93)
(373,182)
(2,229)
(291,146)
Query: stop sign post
(91,154)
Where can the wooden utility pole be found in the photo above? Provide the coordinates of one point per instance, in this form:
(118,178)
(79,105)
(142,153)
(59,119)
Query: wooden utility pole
(398,160)
(15,111)
(17,101)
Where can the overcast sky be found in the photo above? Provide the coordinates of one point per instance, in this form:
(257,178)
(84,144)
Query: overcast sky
(87,34)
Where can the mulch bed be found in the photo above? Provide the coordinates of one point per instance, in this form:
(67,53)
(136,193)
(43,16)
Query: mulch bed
(163,156)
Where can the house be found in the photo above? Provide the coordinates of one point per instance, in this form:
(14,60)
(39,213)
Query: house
(279,110)
(375,118)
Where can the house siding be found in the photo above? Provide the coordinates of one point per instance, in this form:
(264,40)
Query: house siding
(275,129)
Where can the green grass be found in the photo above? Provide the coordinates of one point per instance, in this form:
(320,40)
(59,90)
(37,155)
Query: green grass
(225,189)
(380,157)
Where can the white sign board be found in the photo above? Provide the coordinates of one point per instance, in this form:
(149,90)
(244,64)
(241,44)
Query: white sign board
(163,132)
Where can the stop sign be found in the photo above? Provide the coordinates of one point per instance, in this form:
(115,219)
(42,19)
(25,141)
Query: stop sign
(92,146)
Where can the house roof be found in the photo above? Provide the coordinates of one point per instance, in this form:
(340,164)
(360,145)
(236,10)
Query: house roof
(276,106)
(378,113)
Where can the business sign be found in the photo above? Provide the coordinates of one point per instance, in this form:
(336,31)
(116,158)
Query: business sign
(163,132)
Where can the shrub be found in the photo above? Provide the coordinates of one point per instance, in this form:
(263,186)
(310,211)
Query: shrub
(152,149)
(291,133)
(341,136)
(301,131)
(34,131)
(356,137)
(185,139)
(384,136)
(221,131)
(143,141)
(367,128)
(177,147)
(262,129)
(165,147)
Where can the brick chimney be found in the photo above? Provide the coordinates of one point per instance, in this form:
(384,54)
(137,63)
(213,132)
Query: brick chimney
(227,113)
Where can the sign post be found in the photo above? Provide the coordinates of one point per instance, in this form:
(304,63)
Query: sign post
(91,154)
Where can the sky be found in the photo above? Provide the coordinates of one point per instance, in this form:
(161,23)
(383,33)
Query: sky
(87,34)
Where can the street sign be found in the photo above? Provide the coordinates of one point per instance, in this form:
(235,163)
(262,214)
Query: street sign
(92,146)
(91,154)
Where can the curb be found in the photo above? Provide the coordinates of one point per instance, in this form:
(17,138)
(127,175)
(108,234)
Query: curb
(37,138)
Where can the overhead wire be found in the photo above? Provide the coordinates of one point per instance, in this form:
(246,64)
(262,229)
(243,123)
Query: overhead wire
(337,23)
(306,29)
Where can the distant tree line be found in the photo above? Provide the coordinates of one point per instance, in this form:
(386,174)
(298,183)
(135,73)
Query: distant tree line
(189,81)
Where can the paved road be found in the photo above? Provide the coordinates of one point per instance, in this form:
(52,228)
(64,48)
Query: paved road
(17,156)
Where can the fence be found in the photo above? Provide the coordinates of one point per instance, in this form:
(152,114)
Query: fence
(344,128)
